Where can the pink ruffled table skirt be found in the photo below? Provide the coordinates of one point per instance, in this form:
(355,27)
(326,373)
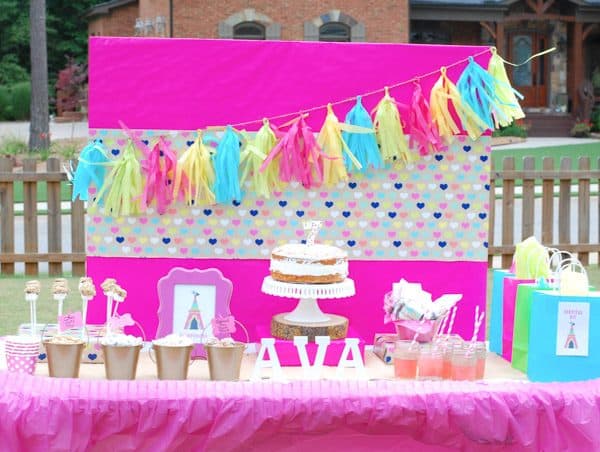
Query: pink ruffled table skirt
(44,414)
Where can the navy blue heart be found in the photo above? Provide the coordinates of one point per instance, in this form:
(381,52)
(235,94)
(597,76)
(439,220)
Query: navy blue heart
(352,185)
(351,243)
(487,187)
(346,213)
(42,356)
(283,203)
(303,241)
(166,240)
(482,215)
(465,205)
(254,212)
(236,203)
(212,241)
(437,215)
(259,242)
(466,148)
(374,205)
(329,204)
(161,153)
(120,239)
(189,143)
(420,205)
(485,244)
(392,214)
(145,142)
(92,356)
(398,185)
(397,243)
(207,212)
(388,359)
(115,152)
(444,186)
(442,244)
(300,213)
(439,157)
(483,158)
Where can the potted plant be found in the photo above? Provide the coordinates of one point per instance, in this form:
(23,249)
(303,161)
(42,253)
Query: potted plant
(581,129)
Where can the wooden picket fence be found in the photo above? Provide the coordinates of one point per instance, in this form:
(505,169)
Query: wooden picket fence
(549,183)
(55,256)
(556,224)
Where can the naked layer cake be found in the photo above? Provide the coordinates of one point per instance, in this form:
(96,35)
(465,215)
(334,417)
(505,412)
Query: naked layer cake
(309,264)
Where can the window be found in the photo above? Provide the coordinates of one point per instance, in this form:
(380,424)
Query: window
(249,30)
(334,32)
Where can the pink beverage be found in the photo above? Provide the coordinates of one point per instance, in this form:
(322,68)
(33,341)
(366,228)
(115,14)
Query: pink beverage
(431,362)
(481,353)
(405,355)
(464,363)
(447,368)
(405,368)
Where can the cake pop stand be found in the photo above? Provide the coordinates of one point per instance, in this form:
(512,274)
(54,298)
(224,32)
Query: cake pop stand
(307,319)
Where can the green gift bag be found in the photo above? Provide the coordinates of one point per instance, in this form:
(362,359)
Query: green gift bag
(521,329)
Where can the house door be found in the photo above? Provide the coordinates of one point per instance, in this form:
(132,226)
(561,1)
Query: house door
(530,79)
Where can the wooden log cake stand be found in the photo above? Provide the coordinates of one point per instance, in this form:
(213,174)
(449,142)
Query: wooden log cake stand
(307,319)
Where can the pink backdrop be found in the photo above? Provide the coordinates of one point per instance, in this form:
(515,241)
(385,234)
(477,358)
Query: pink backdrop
(178,84)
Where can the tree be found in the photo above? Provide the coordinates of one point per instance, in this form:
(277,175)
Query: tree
(39,136)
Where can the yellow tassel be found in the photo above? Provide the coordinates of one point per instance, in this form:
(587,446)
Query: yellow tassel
(333,145)
(252,158)
(505,92)
(444,92)
(124,185)
(195,174)
(388,129)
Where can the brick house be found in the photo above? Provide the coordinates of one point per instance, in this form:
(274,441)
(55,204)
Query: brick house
(553,84)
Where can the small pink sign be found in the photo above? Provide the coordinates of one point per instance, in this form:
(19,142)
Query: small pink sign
(223,325)
(70,321)
(121,321)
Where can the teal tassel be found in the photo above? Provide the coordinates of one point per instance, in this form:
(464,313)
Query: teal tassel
(476,88)
(227,164)
(363,145)
(91,168)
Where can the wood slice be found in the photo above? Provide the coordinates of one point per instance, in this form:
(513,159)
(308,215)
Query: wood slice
(335,328)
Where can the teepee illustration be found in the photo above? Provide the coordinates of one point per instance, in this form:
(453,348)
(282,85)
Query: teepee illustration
(571,341)
(194,318)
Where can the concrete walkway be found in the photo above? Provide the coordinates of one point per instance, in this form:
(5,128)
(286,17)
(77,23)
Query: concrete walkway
(20,130)
(547,142)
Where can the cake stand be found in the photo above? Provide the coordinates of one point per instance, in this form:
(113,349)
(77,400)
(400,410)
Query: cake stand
(307,319)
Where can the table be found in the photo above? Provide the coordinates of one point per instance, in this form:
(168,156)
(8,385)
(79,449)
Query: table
(38,413)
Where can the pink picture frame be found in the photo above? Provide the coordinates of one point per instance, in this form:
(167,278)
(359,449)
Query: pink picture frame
(189,300)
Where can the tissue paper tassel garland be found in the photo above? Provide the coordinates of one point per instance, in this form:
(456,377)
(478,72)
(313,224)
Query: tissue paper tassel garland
(509,105)
(252,157)
(300,156)
(91,168)
(363,145)
(159,168)
(335,149)
(227,163)
(388,130)
(194,175)
(424,135)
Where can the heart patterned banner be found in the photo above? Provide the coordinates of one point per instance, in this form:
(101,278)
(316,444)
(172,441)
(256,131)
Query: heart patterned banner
(435,209)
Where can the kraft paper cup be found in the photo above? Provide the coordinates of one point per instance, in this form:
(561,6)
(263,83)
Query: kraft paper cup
(172,362)
(64,359)
(120,362)
(224,363)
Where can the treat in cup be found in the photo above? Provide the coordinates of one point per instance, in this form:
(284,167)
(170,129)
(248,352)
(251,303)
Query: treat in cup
(64,356)
(431,362)
(406,354)
(224,358)
(464,361)
(173,354)
(121,353)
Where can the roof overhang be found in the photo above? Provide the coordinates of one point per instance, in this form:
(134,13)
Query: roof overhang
(430,10)
(105,8)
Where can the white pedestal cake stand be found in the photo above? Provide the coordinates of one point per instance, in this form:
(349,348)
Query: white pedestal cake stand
(307,311)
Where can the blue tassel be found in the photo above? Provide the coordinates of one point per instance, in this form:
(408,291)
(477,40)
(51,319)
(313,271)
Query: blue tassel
(227,164)
(476,88)
(91,168)
(363,145)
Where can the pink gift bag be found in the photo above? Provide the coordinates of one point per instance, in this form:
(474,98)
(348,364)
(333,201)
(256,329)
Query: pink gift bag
(511,284)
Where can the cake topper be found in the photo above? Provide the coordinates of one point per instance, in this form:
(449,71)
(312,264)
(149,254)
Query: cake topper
(313,229)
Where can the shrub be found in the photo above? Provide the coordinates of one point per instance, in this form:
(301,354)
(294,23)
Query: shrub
(12,146)
(516,129)
(596,120)
(11,72)
(21,100)
(581,129)
(70,86)
(5,107)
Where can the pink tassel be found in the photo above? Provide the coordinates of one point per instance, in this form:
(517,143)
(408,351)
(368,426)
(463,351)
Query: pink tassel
(301,157)
(159,168)
(424,135)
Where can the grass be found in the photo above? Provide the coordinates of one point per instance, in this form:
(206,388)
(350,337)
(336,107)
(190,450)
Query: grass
(574,151)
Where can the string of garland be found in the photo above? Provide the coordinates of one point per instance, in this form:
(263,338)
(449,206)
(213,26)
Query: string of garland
(213,170)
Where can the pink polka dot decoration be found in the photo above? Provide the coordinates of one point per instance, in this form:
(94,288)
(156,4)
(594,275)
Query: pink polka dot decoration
(23,364)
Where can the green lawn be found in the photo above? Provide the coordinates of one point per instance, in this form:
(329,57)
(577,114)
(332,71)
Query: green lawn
(65,192)
(574,151)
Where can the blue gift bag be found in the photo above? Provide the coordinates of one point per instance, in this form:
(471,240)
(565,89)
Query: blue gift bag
(495,335)
(543,363)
